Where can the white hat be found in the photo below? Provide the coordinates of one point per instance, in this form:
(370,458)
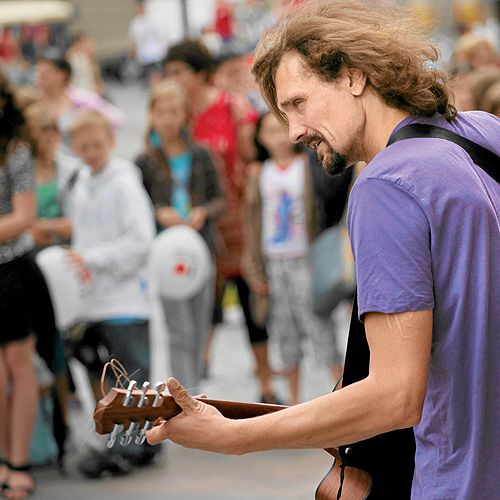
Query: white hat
(179,263)
(69,294)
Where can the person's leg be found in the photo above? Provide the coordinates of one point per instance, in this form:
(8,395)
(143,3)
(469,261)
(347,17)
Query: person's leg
(19,357)
(92,351)
(4,420)
(258,338)
(284,328)
(201,311)
(182,341)
(128,344)
(320,332)
(24,396)
(42,316)
(293,378)
(50,348)
(217,318)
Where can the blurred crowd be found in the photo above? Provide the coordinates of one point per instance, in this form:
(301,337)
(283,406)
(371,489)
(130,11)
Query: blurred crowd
(476,71)
(213,160)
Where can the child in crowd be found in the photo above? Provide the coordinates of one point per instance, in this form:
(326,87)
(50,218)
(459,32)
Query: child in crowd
(182,182)
(113,227)
(53,76)
(55,175)
(225,123)
(281,222)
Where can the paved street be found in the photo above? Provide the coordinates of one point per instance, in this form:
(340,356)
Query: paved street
(189,474)
(182,473)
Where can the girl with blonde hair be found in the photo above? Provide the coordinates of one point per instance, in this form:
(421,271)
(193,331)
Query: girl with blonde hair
(182,182)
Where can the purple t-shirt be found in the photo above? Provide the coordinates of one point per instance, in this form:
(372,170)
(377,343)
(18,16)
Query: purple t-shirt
(424,223)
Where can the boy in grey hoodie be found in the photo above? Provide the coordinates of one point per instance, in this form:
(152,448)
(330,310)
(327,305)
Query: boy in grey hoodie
(113,227)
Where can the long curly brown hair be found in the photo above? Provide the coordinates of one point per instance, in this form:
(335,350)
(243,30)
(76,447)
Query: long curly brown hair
(12,123)
(387,44)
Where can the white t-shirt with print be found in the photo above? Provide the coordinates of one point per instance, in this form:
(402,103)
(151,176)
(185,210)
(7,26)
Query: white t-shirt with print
(284,232)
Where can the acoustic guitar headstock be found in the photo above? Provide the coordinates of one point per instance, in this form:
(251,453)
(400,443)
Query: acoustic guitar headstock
(131,412)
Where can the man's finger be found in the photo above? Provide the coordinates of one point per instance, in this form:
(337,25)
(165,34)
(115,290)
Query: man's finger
(181,396)
(157,434)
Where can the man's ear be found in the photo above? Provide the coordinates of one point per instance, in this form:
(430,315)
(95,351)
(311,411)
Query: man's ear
(357,81)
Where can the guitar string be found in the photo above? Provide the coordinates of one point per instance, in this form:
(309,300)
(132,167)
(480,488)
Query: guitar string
(119,372)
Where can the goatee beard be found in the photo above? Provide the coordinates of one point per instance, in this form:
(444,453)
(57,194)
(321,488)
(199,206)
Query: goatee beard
(334,163)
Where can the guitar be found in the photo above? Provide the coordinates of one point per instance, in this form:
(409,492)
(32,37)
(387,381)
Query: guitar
(127,414)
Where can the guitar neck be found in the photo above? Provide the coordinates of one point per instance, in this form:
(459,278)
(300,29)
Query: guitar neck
(233,409)
(111,410)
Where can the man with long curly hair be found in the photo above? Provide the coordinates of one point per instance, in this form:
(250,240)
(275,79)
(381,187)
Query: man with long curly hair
(347,77)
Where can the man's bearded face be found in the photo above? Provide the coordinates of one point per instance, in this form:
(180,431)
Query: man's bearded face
(333,162)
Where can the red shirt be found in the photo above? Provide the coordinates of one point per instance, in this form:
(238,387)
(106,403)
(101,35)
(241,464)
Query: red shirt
(223,21)
(217,127)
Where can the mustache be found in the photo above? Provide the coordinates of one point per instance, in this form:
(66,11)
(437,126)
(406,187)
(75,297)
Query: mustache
(313,140)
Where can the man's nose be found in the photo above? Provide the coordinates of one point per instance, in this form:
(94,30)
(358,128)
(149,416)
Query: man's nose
(296,131)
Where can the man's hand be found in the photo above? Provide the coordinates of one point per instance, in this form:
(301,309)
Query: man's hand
(168,216)
(199,426)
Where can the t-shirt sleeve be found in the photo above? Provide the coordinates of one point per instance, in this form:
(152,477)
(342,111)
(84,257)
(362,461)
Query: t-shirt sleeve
(21,170)
(390,237)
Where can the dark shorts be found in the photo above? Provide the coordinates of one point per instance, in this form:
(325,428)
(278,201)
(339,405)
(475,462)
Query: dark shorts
(23,299)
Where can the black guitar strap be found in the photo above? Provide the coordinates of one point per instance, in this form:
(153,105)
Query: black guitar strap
(389,457)
(482,157)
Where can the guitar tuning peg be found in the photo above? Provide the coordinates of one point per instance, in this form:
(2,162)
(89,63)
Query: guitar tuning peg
(129,398)
(114,434)
(141,437)
(145,388)
(159,388)
(126,439)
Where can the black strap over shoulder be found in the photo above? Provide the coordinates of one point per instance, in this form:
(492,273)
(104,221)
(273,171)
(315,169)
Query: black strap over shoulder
(484,158)
(389,458)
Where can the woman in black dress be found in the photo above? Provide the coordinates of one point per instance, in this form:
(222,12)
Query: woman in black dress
(20,279)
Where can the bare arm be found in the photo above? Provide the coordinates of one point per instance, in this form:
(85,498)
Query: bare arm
(21,218)
(391,397)
(246,147)
(60,226)
(245,128)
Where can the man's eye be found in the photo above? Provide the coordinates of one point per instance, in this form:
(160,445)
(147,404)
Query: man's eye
(297,103)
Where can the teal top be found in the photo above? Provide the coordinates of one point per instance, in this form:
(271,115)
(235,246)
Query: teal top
(180,167)
(47,205)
